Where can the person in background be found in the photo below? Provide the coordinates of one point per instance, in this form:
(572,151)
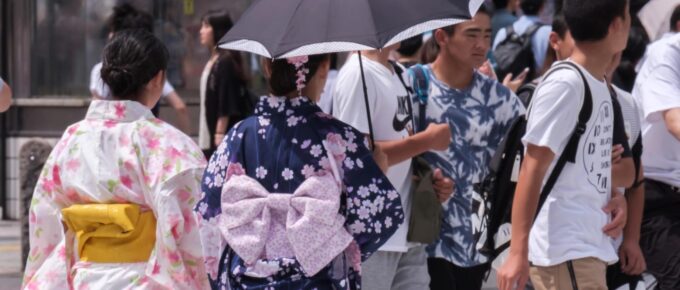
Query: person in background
(112,208)
(624,75)
(410,51)
(325,201)
(479,111)
(5,96)
(504,15)
(124,17)
(399,263)
(225,100)
(539,41)
(631,261)
(326,100)
(657,89)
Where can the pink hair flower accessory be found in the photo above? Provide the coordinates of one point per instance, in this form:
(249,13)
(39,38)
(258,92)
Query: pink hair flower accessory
(299,63)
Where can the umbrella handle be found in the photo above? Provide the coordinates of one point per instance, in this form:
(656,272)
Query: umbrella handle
(368,107)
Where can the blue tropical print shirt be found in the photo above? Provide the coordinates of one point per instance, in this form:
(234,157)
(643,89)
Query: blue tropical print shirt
(280,147)
(479,117)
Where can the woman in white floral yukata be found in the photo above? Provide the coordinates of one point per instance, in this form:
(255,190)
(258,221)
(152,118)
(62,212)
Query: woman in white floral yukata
(113,206)
(292,198)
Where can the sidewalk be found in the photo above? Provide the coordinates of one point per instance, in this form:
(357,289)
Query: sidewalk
(10,255)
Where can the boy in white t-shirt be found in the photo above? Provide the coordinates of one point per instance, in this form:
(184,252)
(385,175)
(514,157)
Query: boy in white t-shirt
(570,242)
(398,264)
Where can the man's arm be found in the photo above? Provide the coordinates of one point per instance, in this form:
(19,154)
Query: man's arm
(632,260)
(435,137)
(515,271)
(672,119)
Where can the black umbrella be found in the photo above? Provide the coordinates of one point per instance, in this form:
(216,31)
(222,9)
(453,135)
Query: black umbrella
(288,28)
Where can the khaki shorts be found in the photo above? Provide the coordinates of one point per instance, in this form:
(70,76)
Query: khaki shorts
(581,274)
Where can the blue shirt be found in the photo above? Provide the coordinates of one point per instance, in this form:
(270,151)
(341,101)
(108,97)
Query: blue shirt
(539,42)
(479,117)
(281,146)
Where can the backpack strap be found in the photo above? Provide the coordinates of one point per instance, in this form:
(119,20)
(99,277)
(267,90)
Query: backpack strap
(569,153)
(421,87)
(532,30)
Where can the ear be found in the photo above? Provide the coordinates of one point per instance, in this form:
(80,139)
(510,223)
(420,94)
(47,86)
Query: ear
(441,37)
(158,80)
(554,40)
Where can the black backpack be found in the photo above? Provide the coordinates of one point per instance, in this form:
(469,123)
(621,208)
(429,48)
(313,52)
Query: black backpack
(515,53)
(497,189)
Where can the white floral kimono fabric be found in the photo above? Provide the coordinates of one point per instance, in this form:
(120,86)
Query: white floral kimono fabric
(120,153)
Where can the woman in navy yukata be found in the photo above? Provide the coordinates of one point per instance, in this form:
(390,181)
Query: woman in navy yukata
(292,198)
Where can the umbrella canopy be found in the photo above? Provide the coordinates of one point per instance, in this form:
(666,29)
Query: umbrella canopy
(288,28)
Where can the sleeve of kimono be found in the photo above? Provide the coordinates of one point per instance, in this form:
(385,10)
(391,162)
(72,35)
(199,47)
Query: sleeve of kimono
(222,164)
(373,207)
(178,258)
(48,265)
(228,89)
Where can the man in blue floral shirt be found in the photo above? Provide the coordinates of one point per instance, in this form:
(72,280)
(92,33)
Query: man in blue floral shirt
(479,111)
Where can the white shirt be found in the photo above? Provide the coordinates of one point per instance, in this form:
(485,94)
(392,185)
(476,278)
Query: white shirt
(631,120)
(98,86)
(326,99)
(387,97)
(569,226)
(657,89)
(203,132)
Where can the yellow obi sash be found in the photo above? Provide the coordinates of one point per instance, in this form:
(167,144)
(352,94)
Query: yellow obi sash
(111,233)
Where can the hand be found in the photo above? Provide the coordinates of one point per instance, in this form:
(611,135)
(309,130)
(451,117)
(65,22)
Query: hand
(617,207)
(439,136)
(514,273)
(632,261)
(514,84)
(380,158)
(443,186)
(218,139)
(617,151)
(487,70)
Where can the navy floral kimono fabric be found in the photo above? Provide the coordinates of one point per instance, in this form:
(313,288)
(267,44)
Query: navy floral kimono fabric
(286,142)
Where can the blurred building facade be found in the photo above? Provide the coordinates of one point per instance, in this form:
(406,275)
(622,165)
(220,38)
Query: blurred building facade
(47,49)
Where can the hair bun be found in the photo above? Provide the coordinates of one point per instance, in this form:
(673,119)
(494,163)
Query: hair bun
(119,79)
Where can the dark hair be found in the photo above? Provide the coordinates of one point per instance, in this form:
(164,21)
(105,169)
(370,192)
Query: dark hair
(131,59)
(430,51)
(531,7)
(500,4)
(589,20)
(220,22)
(282,80)
(410,46)
(675,17)
(125,16)
(625,73)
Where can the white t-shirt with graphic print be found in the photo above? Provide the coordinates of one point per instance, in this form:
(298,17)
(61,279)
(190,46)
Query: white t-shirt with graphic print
(389,112)
(569,226)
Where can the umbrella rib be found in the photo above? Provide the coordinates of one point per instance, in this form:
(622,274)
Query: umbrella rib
(277,53)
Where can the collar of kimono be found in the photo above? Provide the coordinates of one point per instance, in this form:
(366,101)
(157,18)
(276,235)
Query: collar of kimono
(122,111)
(272,104)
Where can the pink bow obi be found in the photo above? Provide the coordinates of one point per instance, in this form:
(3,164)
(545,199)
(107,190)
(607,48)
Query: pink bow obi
(304,225)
